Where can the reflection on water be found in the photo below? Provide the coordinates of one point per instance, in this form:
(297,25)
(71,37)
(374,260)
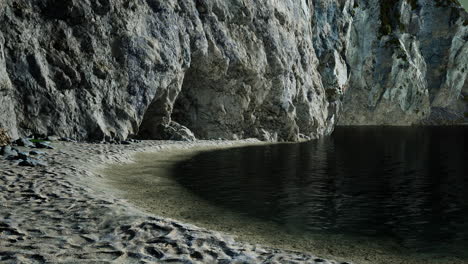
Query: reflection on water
(404,184)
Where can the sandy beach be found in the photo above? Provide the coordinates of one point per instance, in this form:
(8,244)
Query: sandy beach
(65,213)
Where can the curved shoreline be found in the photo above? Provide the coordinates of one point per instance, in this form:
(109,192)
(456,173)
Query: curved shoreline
(63,213)
(149,185)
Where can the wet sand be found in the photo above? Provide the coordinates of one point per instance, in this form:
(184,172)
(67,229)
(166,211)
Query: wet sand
(68,212)
(148,184)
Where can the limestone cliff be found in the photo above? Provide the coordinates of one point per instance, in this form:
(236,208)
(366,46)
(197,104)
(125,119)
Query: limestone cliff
(275,69)
(408,63)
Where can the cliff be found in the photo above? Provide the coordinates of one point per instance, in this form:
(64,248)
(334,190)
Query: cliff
(409,63)
(275,70)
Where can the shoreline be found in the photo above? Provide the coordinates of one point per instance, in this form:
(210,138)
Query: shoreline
(62,213)
(148,184)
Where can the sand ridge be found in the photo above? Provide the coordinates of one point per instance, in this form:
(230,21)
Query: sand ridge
(62,214)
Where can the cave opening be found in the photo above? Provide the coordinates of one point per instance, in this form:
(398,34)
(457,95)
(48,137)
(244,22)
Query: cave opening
(184,111)
(173,113)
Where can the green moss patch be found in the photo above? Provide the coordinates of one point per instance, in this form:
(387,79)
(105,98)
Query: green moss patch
(37,140)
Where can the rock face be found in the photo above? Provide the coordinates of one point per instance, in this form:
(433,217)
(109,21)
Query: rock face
(409,60)
(229,69)
(277,70)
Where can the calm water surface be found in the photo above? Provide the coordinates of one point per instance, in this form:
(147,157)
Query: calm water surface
(409,185)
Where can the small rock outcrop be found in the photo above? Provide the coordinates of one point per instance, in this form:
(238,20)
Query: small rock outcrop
(170,131)
(277,70)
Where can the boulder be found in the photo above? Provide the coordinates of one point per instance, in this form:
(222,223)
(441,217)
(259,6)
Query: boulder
(175,131)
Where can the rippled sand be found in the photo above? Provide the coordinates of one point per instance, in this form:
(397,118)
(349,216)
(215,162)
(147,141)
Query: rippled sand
(149,185)
(68,212)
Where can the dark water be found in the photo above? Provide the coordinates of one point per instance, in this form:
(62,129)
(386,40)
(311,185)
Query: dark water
(409,185)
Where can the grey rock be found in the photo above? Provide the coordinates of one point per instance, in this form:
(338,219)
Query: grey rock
(16,155)
(407,59)
(23,156)
(444,116)
(267,136)
(276,70)
(5,149)
(32,163)
(43,145)
(36,153)
(24,142)
(52,138)
(225,69)
(173,131)
(8,152)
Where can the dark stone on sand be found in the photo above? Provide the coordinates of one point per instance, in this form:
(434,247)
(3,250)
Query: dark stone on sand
(5,149)
(43,145)
(35,153)
(67,139)
(23,156)
(196,255)
(32,163)
(8,151)
(24,142)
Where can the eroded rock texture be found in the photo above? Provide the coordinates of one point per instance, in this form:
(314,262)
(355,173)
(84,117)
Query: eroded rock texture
(409,58)
(275,69)
(224,69)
